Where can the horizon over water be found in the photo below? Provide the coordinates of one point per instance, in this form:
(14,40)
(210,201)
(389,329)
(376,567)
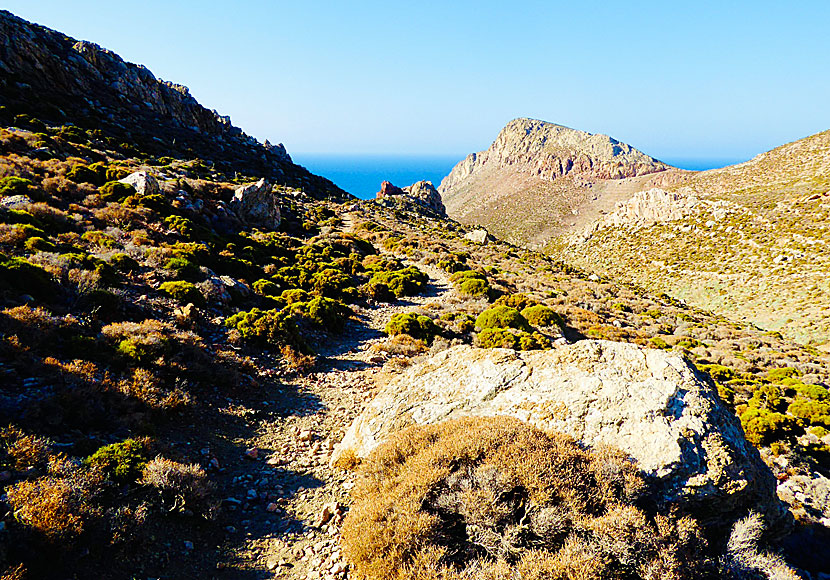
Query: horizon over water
(361,175)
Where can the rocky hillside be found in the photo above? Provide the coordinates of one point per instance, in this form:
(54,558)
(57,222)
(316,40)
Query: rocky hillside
(748,240)
(536,178)
(49,78)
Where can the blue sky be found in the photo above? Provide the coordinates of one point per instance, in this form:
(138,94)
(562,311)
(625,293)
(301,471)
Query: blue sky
(675,79)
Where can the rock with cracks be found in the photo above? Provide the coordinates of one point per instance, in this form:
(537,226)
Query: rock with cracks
(649,403)
(255,203)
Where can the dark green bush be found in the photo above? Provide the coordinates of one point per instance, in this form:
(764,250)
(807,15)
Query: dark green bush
(82,174)
(294,295)
(323,312)
(415,325)
(38,244)
(184,268)
(13,185)
(123,263)
(98,238)
(510,338)
(183,292)
(103,303)
(122,462)
(266,287)
(762,426)
(116,191)
(541,315)
(275,327)
(471,283)
(330,282)
(810,412)
(377,291)
(20,276)
(502,317)
(407,282)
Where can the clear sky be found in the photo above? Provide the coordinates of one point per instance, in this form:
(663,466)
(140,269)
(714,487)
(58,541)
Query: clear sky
(725,79)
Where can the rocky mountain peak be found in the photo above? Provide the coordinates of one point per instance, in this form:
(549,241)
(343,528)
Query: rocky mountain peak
(549,151)
(422,192)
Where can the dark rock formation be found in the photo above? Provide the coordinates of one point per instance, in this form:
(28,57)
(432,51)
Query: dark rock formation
(59,80)
(422,193)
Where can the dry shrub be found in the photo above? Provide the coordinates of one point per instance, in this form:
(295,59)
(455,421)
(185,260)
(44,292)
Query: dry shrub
(25,450)
(16,573)
(401,345)
(497,498)
(182,486)
(297,361)
(59,505)
(145,386)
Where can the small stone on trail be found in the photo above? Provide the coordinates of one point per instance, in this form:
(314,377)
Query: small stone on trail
(252,454)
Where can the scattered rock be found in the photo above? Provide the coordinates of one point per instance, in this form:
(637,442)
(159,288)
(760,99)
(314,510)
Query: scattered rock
(252,454)
(143,182)
(15,201)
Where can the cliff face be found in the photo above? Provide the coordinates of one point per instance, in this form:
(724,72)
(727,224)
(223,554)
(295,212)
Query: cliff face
(59,80)
(535,174)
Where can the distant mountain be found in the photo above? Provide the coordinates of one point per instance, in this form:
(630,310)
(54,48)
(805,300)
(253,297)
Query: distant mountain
(536,177)
(749,240)
(48,77)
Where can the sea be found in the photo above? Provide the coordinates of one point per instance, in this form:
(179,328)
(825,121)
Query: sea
(361,175)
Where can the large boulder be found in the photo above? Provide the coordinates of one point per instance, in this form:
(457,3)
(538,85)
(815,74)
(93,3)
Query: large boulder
(143,182)
(256,203)
(649,403)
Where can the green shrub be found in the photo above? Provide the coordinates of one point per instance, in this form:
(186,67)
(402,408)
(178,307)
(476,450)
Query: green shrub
(184,268)
(116,191)
(718,373)
(122,462)
(114,173)
(144,349)
(294,295)
(778,375)
(502,317)
(23,277)
(13,185)
(275,327)
(762,426)
(38,244)
(378,292)
(658,342)
(103,303)
(323,312)
(510,338)
(415,325)
(123,263)
(406,282)
(266,287)
(98,238)
(541,315)
(180,224)
(474,288)
(82,174)
(810,412)
(518,301)
(451,265)
(815,392)
(330,282)
(183,292)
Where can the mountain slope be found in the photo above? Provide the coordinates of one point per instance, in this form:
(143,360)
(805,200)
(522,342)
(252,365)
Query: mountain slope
(48,77)
(748,240)
(536,177)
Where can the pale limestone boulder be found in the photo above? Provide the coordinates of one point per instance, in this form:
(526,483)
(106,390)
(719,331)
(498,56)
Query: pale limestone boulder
(649,403)
(143,182)
(256,203)
(479,236)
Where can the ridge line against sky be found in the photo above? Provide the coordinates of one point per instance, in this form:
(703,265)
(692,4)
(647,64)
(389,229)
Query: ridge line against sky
(701,80)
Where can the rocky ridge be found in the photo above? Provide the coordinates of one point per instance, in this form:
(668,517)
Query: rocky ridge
(50,77)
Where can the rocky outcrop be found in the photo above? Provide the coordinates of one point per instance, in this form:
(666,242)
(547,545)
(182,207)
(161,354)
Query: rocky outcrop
(550,151)
(649,403)
(59,80)
(422,192)
(479,236)
(256,204)
(143,182)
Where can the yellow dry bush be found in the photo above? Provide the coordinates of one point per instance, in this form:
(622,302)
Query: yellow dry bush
(497,498)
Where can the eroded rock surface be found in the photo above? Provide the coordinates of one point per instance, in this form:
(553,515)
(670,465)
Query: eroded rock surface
(257,204)
(648,403)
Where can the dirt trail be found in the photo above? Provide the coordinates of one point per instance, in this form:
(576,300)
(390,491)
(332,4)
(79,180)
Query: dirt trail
(293,501)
